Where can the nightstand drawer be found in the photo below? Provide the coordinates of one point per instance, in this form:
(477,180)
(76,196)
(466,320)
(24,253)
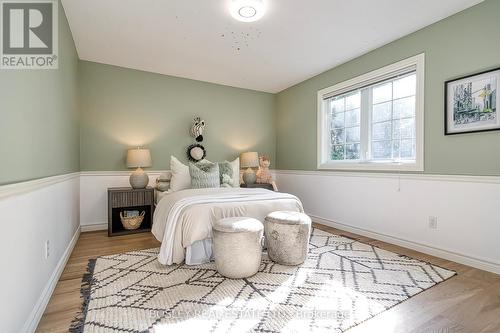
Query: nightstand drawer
(130,198)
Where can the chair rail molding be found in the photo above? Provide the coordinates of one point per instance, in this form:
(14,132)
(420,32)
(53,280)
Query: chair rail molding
(33,185)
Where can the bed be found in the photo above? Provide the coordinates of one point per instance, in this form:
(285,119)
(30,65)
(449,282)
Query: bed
(183,220)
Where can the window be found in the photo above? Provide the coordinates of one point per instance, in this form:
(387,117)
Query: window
(375,121)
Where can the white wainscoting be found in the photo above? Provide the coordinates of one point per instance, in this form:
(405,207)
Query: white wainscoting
(396,209)
(93,195)
(33,212)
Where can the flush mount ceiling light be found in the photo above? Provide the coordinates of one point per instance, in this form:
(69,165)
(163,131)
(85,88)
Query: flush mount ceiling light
(247,10)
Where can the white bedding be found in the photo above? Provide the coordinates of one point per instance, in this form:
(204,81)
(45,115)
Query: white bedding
(185,217)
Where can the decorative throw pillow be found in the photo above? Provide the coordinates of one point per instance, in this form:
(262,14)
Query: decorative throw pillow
(236,172)
(204,175)
(226,174)
(180,175)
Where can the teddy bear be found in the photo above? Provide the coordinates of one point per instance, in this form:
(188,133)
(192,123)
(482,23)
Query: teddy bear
(264,175)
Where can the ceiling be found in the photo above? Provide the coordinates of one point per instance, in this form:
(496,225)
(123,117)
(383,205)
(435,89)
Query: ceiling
(198,39)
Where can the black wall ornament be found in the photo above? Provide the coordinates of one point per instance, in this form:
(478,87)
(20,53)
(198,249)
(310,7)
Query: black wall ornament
(196,152)
(197,129)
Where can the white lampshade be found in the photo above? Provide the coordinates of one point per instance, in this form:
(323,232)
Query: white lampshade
(138,158)
(249,160)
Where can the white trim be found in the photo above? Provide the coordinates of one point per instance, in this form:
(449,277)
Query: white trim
(94,227)
(371,166)
(32,185)
(418,62)
(118,173)
(409,176)
(461,258)
(36,314)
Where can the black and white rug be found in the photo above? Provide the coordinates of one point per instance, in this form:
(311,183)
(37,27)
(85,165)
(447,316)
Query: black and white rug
(342,283)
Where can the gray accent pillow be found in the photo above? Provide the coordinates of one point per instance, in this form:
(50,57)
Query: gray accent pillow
(226,174)
(204,175)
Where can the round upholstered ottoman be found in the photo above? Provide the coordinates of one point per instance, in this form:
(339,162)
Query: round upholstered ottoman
(287,237)
(237,246)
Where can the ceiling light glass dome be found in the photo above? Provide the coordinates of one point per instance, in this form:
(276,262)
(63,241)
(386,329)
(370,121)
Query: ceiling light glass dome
(247,10)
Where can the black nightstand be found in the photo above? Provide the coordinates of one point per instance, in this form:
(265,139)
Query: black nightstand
(259,185)
(126,198)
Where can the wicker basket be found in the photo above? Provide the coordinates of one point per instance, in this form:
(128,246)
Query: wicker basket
(133,222)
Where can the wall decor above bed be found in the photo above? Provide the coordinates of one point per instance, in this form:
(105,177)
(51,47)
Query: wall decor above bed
(196,152)
(197,129)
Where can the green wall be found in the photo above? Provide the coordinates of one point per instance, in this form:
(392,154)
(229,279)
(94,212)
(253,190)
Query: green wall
(465,43)
(123,108)
(39,123)
(42,132)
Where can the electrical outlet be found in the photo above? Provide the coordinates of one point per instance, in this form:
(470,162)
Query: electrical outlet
(433,222)
(47,249)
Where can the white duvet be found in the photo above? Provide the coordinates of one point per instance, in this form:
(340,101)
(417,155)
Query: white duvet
(185,217)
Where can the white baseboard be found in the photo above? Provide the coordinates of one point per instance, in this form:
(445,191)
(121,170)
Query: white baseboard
(94,227)
(424,248)
(35,316)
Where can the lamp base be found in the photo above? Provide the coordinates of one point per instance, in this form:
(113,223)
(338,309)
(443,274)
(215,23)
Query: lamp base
(249,176)
(139,179)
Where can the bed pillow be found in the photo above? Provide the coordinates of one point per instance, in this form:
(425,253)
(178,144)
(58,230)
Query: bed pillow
(236,172)
(181,179)
(204,175)
(226,174)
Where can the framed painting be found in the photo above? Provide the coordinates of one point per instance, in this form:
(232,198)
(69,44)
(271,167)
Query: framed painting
(472,103)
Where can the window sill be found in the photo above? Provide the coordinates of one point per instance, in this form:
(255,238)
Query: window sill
(372,166)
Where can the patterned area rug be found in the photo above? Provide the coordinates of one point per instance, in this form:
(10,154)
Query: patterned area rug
(342,283)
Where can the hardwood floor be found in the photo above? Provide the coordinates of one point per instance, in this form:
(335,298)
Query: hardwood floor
(65,302)
(468,302)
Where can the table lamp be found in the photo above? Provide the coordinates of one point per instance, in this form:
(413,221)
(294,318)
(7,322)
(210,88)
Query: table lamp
(249,160)
(139,158)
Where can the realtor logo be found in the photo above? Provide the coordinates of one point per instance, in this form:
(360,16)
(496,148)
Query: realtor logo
(29,34)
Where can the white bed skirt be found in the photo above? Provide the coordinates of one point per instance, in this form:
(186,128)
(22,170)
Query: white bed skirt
(200,252)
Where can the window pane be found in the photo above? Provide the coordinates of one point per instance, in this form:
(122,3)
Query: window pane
(382,112)
(338,120)
(382,149)
(353,101)
(352,134)
(338,152)
(404,107)
(393,119)
(382,93)
(407,149)
(403,128)
(337,136)
(405,86)
(407,128)
(352,117)
(396,144)
(338,104)
(382,131)
(352,151)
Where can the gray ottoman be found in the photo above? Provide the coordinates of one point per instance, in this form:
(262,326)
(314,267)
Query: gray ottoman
(287,237)
(237,246)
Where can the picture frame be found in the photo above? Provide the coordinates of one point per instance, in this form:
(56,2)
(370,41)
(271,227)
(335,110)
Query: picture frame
(471,103)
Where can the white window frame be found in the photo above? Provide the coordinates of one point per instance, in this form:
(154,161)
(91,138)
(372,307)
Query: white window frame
(323,160)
